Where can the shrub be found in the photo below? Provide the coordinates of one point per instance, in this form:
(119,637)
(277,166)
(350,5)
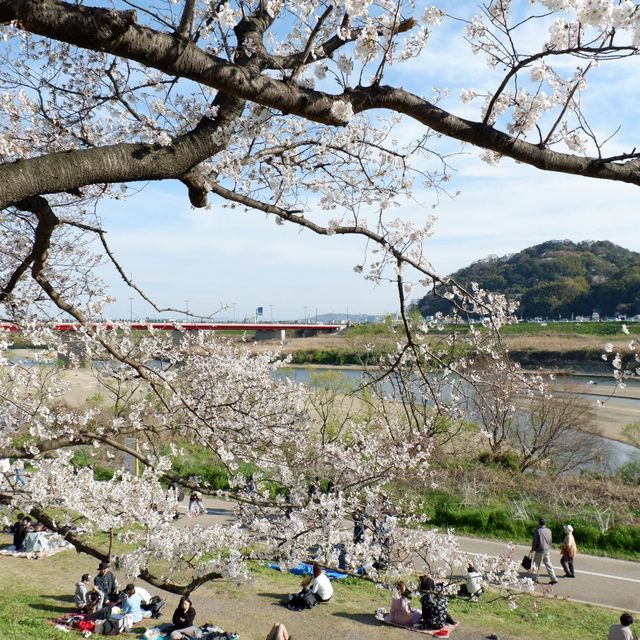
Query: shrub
(629,473)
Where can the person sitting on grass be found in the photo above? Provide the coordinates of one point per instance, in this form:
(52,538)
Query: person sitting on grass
(321,586)
(435,614)
(81,595)
(473,584)
(20,530)
(622,631)
(279,632)
(106,584)
(133,604)
(315,588)
(402,613)
(183,618)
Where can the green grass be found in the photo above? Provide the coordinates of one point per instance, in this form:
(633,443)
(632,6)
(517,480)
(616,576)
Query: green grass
(537,617)
(569,328)
(33,592)
(24,615)
(496,520)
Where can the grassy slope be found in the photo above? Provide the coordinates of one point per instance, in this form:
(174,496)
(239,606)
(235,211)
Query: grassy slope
(33,592)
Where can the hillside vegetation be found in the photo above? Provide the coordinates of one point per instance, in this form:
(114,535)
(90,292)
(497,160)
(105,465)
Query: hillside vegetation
(556,278)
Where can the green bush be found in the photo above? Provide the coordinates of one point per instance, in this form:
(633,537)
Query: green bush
(82,458)
(501,520)
(622,537)
(629,473)
(504,460)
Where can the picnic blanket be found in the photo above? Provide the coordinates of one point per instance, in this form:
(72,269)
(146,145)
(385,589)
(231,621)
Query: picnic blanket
(207,631)
(305,569)
(10,550)
(445,632)
(66,621)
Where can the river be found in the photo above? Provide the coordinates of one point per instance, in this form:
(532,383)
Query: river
(591,388)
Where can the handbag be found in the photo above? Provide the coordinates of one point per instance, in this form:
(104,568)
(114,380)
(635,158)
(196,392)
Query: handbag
(526,562)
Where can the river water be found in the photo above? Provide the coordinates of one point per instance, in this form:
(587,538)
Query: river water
(590,389)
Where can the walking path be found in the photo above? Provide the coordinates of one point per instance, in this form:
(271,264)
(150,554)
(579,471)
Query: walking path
(602,581)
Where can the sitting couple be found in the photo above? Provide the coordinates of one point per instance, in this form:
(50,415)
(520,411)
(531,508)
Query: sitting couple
(434,613)
(315,589)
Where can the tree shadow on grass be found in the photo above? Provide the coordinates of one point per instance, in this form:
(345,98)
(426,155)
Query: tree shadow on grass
(360,618)
(211,511)
(59,598)
(275,596)
(51,608)
(278,598)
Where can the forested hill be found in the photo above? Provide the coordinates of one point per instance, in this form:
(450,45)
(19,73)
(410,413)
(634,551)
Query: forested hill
(557,278)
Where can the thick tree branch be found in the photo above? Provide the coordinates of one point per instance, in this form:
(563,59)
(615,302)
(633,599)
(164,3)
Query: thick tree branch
(47,222)
(115,33)
(85,546)
(33,451)
(60,172)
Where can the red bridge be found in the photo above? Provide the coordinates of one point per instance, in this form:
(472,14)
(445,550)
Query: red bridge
(192,326)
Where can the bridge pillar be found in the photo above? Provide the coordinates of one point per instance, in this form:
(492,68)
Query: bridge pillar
(270,334)
(73,346)
(177,337)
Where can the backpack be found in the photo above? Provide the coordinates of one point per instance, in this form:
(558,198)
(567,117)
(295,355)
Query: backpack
(154,605)
(110,627)
(301,601)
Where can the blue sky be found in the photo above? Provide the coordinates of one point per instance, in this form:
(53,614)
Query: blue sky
(217,257)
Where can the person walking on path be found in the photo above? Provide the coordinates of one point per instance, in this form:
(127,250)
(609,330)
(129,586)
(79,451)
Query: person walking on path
(541,549)
(568,552)
(622,631)
(18,469)
(196,506)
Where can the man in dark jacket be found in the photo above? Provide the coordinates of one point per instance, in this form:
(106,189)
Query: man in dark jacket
(106,583)
(541,549)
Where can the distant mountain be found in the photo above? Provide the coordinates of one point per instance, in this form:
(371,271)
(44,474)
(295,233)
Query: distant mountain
(556,278)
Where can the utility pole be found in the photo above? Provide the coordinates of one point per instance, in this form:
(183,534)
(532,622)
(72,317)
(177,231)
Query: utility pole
(271,311)
(305,314)
(130,309)
(186,311)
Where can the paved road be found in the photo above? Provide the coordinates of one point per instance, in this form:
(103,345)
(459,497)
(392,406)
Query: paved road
(602,581)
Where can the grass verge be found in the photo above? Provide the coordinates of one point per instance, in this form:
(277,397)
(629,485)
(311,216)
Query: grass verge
(34,592)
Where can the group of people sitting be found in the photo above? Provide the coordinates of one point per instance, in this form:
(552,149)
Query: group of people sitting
(24,542)
(98,601)
(102,600)
(433,614)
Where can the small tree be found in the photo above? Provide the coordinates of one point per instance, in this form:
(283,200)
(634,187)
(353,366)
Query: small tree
(557,431)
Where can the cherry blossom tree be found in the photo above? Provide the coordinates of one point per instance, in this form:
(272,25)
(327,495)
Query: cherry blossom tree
(283,108)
